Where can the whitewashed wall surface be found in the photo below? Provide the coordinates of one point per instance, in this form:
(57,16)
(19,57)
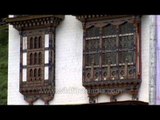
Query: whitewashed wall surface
(68,71)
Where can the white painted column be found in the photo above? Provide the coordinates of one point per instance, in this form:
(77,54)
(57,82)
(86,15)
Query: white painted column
(152,60)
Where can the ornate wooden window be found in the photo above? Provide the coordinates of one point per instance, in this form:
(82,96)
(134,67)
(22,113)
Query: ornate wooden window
(37,55)
(111,55)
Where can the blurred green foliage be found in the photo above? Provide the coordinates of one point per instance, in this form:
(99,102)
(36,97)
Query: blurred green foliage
(3,64)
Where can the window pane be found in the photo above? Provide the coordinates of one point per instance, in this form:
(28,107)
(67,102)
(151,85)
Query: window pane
(47,40)
(46,72)
(31,59)
(40,42)
(128,57)
(39,72)
(35,58)
(46,56)
(31,73)
(24,43)
(109,43)
(35,71)
(40,58)
(109,58)
(31,43)
(109,30)
(126,42)
(92,58)
(24,75)
(35,42)
(126,28)
(92,45)
(24,58)
(93,32)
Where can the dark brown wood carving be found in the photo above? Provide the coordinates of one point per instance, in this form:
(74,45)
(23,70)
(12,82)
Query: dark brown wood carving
(111,55)
(37,46)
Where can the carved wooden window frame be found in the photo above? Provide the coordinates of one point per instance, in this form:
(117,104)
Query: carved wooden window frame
(96,84)
(37,74)
(37,85)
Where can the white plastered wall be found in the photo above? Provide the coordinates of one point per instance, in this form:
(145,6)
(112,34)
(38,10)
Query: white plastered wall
(14,96)
(69,89)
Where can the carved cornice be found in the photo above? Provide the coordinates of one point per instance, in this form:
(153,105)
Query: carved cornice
(102,20)
(89,18)
(34,88)
(34,21)
(111,83)
(112,88)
